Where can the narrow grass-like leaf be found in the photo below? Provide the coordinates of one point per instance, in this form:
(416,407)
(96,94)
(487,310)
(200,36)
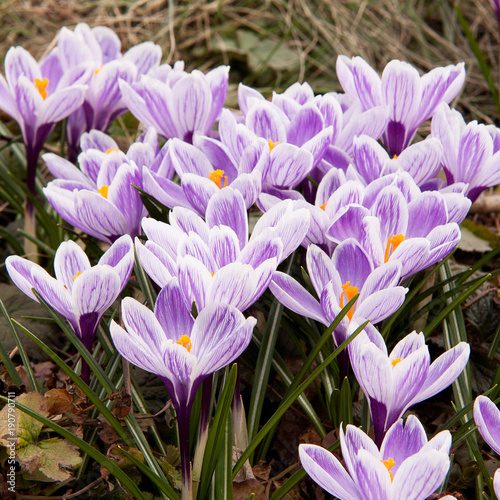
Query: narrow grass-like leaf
(112,420)
(214,443)
(223,481)
(85,447)
(7,362)
(22,351)
(478,53)
(162,484)
(345,410)
(310,360)
(156,209)
(288,401)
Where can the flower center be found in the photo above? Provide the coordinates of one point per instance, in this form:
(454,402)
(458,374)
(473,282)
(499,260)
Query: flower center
(112,150)
(41,86)
(323,207)
(216,176)
(349,291)
(103,191)
(76,275)
(389,463)
(272,144)
(395,361)
(185,342)
(392,243)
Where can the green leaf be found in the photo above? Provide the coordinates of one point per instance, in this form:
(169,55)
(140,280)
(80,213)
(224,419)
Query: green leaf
(125,481)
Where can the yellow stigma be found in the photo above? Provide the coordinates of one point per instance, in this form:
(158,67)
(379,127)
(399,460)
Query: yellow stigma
(103,191)
(272,144)
(350,292)
(41,86)
(389,463)
(395,361)
(185,342)
(98,69)
(76,275)
(395,241)
(112,150)
(323,207)
(216,176)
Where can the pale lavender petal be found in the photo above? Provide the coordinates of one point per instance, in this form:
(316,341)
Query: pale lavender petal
(444,371)
(369,158)
(487,418)
(305,125)
(381,278)
(224,246)
(172,313)
(425,213)
(18,62)
(120,256)
(320,268)
(381,304)
(227,207)
(69,261)
(352,263)
(186,220)
(164,190)
(167,236)
(296,297)
(198,191)
(326,470)
(372,477)
(193,245)
(402,442)
(19,270)
(392,210)
(217,81)
(288,166)
(245,94)
(7,101)
(249,185)
(267,121)
(408,344)
(260,249)
(188,159)
(60,104)
(194,281)
(63,169)
(233,284)
(420,475)
(156,262)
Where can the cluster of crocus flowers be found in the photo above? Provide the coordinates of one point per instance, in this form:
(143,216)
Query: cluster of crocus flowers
(369,216)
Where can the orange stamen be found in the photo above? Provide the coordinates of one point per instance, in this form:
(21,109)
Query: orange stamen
(273,144)
(98,69)
(112,150)
(389,463)
(216,176)
(395,241)
(76,275)
(350,292)
(323,207)
(185,342)
(103,191)
(395,361)
(41,86)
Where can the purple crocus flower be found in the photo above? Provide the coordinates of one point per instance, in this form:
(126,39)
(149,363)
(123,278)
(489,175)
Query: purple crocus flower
(337,280)
(487,419)
(79,292)
(406,466)
(176,103)
(100,199)
(394,382)
(203,175)
(100,49)
(37,96)
(395,221)
(411,98)
(181,350)
(214,261)
(471,152)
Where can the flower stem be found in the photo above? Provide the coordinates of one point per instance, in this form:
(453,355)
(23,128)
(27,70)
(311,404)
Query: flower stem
(183,430)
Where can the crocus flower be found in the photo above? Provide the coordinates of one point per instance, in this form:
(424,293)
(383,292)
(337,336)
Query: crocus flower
(37,96)
(394,382)
(176,103)
(181,350)
(215,261)
(487,419)
(470,151)
(337,280)
(406,466)
(100,199)
(100,49)
(203,176)
(79,292)
(411,98)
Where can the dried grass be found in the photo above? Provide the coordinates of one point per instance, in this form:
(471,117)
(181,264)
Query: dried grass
(204,34)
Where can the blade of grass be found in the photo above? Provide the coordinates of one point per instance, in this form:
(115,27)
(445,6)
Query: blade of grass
(214,443)
(85,447)
(223,483)
(286,403)
(7,362)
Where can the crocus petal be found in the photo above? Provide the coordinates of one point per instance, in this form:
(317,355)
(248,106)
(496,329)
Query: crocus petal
(296,297)
(120,256)
(326,470)
(19,270)
(372,477)
(69,261)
